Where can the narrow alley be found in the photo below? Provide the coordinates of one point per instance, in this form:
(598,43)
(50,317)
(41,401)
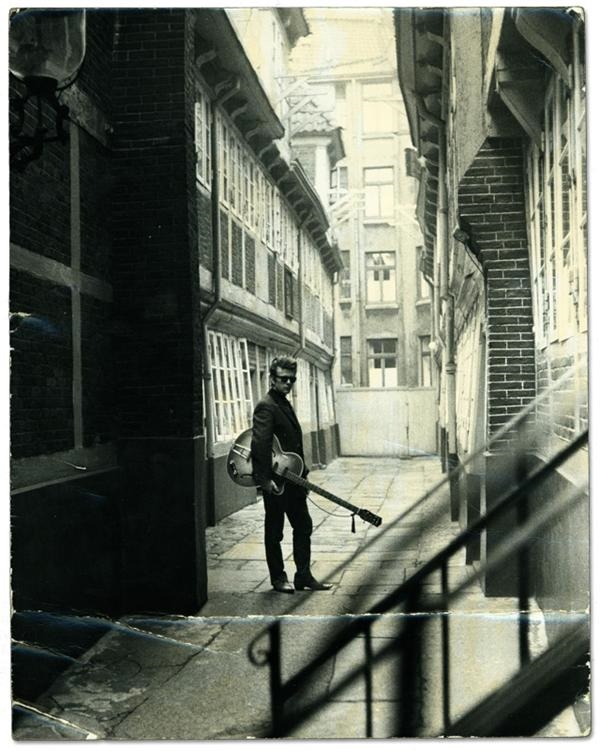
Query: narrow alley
(146,677)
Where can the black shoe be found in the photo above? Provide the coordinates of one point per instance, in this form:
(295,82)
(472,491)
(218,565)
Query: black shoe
(283,585)
(311,584)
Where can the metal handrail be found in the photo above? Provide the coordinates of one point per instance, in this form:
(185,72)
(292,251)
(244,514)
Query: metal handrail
(409,590)
(447,480)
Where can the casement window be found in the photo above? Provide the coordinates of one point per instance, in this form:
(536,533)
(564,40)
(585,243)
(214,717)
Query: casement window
(423,287)
(246,188)
(224,160)
(232,405)
(382,362)
(381,277)
(379,192)
(424,361)
(338,183)
(557,215)
(202,125)
(377,109)
(346,360)
(268,209)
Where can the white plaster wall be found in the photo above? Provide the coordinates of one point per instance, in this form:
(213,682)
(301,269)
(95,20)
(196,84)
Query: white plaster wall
(386,422)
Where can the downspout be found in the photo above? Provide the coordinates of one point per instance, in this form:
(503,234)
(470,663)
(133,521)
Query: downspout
(301,327)
(450,349)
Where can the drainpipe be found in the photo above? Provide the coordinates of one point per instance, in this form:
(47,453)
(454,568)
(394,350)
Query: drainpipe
(449,351)
(301,328)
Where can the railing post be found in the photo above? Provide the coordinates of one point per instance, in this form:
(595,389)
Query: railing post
(368,680)
(445,646)
(277,702)
(523,565)
(409,656)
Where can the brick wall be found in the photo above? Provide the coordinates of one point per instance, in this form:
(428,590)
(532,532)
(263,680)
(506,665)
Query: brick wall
(224,219)
(97,371)
(41,377)
(151,262)
(40,208)
(237,254)
(491,197)
(250,261)
(95,185)
(204,231)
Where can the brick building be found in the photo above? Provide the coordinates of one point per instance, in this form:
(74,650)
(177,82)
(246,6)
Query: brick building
(157,261)
(502,205)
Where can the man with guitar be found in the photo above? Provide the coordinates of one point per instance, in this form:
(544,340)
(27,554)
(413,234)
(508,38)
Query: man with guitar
(275,416)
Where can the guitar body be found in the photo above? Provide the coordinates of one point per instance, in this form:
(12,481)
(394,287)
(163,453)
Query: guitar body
(239,461)
(288,466)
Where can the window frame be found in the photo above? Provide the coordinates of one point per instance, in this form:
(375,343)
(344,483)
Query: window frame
(232,399)
(374,267)
(379,185)
(371,356)
(202,138)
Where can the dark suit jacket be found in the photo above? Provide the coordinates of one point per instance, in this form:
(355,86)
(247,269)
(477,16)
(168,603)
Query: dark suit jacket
(273,415)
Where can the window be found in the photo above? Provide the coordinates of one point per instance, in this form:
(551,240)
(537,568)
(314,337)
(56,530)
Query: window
(377,109)
(423,287)
(345,277)
(424,361)
(379,191)
(346,360)
(557,216)
(382,362)
(381,277)
(338,184)
(232,393)
(202,138)
(288,284)
(224,160)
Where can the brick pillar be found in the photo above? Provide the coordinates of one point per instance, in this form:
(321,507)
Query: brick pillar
(157,313)
(492,199)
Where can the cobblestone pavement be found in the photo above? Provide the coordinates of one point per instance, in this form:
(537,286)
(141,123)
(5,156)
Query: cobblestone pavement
(190,678)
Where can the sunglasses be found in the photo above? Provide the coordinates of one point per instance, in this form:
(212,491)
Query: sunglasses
(286,379)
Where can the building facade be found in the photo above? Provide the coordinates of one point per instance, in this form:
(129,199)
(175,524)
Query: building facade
(158,260)
(267,278)
(503,210)
(383,300)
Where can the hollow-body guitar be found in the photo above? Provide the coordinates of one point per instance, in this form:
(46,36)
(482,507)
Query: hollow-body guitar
(287,466)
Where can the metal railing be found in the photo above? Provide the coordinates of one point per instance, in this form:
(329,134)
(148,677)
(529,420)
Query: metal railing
(288,707)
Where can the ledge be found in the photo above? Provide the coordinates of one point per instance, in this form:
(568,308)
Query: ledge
(383,306)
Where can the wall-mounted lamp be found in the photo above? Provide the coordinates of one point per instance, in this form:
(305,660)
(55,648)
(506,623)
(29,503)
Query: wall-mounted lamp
(464,235)
(46,50)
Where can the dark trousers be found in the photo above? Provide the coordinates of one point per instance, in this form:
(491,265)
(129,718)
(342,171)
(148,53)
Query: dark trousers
(292,503)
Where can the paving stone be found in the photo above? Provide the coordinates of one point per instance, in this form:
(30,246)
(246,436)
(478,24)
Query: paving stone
(177,678)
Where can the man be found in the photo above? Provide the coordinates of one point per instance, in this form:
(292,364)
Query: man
(274,415)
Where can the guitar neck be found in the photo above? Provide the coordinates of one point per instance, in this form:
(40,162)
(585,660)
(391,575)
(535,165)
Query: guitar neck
(321,491)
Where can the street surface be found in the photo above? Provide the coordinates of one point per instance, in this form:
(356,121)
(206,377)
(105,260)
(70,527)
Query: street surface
(190,678)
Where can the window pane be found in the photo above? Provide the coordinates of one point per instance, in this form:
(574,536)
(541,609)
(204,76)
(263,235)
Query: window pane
(375,376)
(390,374)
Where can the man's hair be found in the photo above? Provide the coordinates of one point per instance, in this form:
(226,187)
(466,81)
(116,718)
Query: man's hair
(284,362)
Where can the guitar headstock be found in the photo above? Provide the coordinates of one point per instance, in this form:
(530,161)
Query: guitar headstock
(370,517)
